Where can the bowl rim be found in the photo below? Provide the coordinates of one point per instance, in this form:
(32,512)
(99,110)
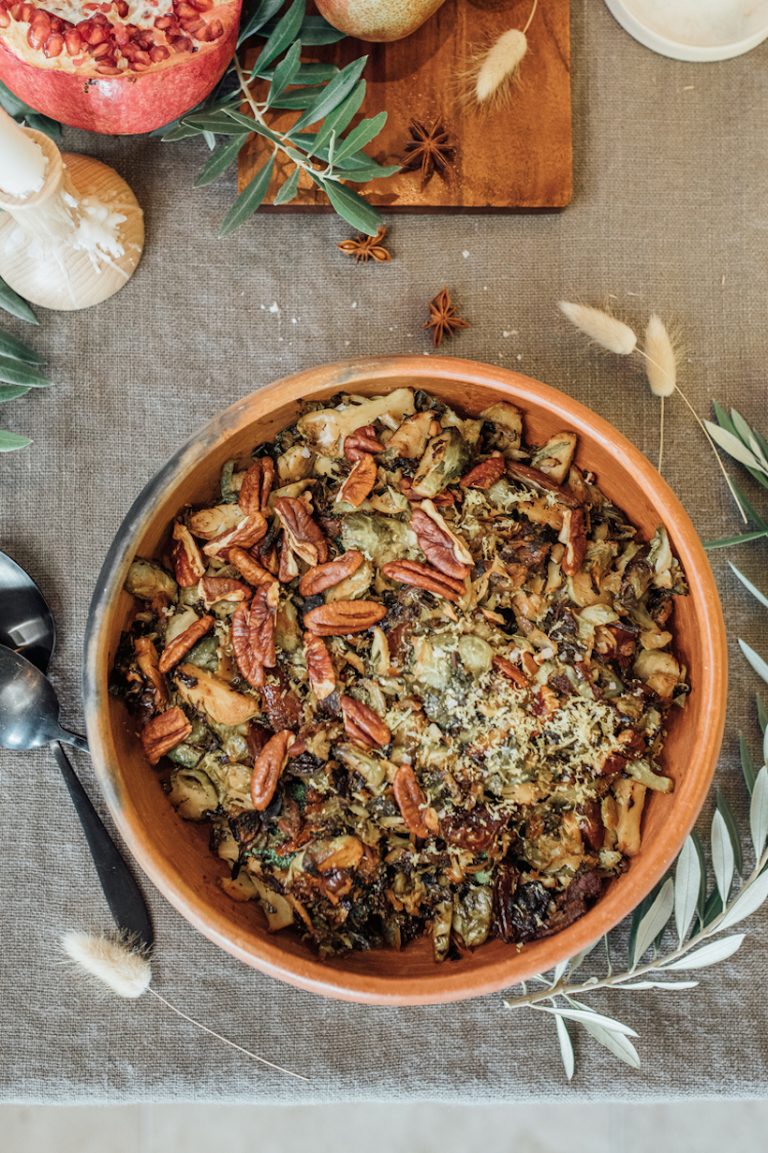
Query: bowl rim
(664,44)
(448,983)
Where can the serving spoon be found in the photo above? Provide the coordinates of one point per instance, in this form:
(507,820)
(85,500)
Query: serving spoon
(29,714)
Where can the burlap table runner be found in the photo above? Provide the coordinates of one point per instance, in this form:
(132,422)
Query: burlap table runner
(669,214)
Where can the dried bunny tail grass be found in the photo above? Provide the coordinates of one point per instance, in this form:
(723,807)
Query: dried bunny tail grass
(660,358)
(604,329)
(115,962)
(493,72)
(123,965)
(494,69)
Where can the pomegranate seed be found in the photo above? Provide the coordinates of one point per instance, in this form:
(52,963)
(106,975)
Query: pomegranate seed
(201,5)
(192,27)
(122,8)
(183,44)
(143,40)
(139,66)
(164,22)
(38,33)
(158,53)
(97,35)
(21,12)
(73,41)
(53,45)
(5,16)
(101,51)
(108,70)
(185,11)
(212,31)
(99,18)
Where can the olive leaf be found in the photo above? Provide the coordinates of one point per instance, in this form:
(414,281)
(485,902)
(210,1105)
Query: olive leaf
(687,886)
(722,855)
(710,954)
(12,391)
(655,920)
(758,812)
(761,597)
(15,305)
(566,1047)
(16,372)
(747,903)
(10,441)
(249,199)
(755,660)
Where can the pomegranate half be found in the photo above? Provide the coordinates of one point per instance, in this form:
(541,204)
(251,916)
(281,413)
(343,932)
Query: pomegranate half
(120,67)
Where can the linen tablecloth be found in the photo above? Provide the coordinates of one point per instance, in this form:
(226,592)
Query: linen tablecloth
(669,214)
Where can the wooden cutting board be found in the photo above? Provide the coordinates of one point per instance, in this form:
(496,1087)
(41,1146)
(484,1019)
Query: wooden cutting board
(519,157)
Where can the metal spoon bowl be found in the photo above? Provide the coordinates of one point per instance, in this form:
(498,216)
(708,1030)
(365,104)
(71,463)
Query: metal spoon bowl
(26,622)
(29,707)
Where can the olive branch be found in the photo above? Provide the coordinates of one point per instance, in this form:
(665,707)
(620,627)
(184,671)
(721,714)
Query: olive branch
(326,98)
(677,928)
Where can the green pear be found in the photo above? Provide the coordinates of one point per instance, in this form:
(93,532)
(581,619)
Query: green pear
(378,19)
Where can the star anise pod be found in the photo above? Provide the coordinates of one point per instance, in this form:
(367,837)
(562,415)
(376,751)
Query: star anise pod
(365,248)
(429,150)
(444,320)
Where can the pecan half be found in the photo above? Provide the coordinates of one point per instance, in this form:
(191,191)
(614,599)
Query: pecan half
(180,645)
(574,536)
(324,576)
(247,533)
(163,733)
(511,671)
(287,569)
(256,486)
(340,618)
(267,769)
(253,572)
(364,725)
(361,442)
(304,534)
(421,820)
(485,474)
(188,561)
(359,482)
(442,548)
(253,634)
(148,662)
(322,675)
(216,589)
(423,576)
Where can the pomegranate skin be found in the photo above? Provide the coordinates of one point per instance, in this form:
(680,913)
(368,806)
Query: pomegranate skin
(131,103)
(379,21)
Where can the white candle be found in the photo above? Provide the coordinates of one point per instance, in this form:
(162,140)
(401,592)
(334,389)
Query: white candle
(22,163)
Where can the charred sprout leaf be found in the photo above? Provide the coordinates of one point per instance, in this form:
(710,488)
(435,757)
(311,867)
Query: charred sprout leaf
(15,305)
(249,200)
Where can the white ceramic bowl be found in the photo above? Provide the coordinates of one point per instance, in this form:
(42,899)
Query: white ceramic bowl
(694,30)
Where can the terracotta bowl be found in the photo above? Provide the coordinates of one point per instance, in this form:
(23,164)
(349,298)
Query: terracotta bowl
(175,853)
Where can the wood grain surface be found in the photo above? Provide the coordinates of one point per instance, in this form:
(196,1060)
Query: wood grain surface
(517,157)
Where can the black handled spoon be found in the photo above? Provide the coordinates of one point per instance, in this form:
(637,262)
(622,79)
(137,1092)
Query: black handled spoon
(29,714)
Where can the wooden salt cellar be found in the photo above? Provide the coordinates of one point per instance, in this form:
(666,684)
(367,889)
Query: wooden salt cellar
(39,253)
